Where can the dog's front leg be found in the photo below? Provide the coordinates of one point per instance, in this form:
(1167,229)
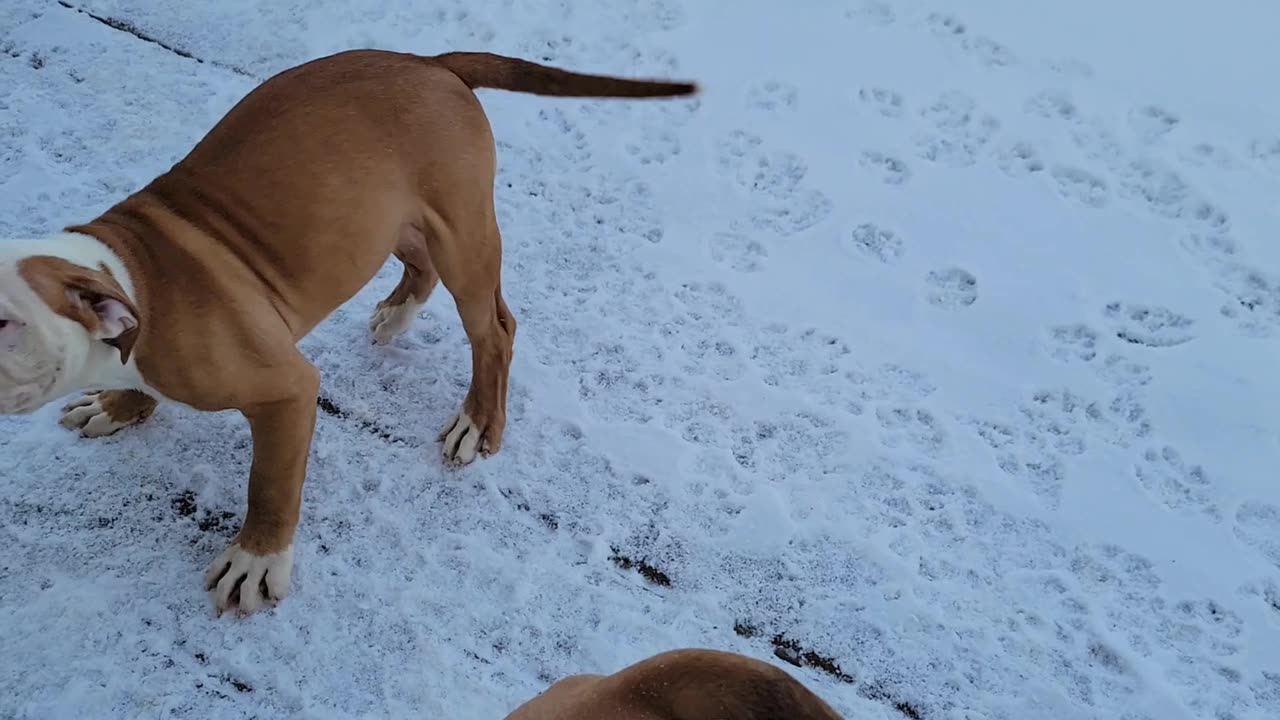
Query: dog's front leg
(259,561)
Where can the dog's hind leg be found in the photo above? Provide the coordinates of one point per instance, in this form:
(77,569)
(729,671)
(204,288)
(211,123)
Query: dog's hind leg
(470,264)
(395,313)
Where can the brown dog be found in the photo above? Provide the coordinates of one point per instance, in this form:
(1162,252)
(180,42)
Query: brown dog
(197,288)
(689,684)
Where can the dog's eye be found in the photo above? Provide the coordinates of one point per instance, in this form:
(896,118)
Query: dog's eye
(4,324)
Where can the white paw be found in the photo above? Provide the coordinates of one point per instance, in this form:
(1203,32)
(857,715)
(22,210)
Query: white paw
(390,321)
(256,579)
(462,439)
(93,420)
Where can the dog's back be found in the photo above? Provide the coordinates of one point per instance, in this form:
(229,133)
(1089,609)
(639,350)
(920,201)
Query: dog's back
(686,684)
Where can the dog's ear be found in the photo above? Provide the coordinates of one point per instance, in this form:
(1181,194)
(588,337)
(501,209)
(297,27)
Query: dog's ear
(91,297)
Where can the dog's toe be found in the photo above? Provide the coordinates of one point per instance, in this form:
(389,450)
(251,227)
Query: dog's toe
(463,439)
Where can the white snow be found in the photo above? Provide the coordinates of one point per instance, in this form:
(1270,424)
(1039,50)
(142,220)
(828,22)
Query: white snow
(939,339)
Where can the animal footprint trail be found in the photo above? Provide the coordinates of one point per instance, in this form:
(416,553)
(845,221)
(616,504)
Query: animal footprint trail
(984,49)
(959,131)
(781,200)
(1149,326)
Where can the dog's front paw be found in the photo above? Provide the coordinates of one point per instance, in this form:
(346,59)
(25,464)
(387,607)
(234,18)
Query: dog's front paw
(464,438)
(239,577)
(98,414)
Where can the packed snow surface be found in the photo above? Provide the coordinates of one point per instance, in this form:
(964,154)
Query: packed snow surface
(932,347)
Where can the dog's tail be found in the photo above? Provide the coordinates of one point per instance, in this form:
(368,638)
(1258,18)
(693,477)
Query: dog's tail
(487,70)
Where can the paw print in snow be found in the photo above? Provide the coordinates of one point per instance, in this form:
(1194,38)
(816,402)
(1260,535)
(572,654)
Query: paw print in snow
(734,151)
(1207,155)
(807,208)
(655,146)
(989,52)
(1122,372)
(912,426)
(772,95)
(997,435)
(796,360)
(986,50)
(959,130)
(889,169)
(871,12)
(718,356)
(877,242)
(1052,105)
(1069,67)
(1258,526)
(1150,123)
(1149,326)
(1080,186)
(1074,342)
(1210,246)
(1268,591)
(777,174)
(1175,483)
(1255,299)
(945,26)
(888,103)
(951,288)
(738,251)
(1019,159)
(1266,151)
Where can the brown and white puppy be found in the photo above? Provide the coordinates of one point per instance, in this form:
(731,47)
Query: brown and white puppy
(197,288)
(687,684)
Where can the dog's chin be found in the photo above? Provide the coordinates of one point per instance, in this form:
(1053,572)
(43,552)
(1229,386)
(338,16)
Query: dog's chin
(29,397)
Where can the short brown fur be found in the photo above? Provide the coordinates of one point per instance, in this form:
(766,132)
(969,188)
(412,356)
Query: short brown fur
(289,206)
(686,684)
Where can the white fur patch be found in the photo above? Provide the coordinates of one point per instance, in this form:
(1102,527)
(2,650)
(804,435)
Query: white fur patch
(390,321)
(461,439)
(275,569)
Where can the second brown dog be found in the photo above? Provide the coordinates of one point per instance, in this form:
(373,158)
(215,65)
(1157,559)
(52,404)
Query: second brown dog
(686,684)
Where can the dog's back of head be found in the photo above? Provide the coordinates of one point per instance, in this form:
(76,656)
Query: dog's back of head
(696,684)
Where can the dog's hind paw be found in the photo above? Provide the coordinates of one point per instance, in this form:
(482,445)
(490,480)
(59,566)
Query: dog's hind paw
(391,321)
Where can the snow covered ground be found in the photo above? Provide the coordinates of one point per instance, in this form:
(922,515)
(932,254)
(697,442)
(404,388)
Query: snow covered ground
(932,347)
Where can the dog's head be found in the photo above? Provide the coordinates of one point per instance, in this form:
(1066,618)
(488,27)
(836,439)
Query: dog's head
(55,317)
